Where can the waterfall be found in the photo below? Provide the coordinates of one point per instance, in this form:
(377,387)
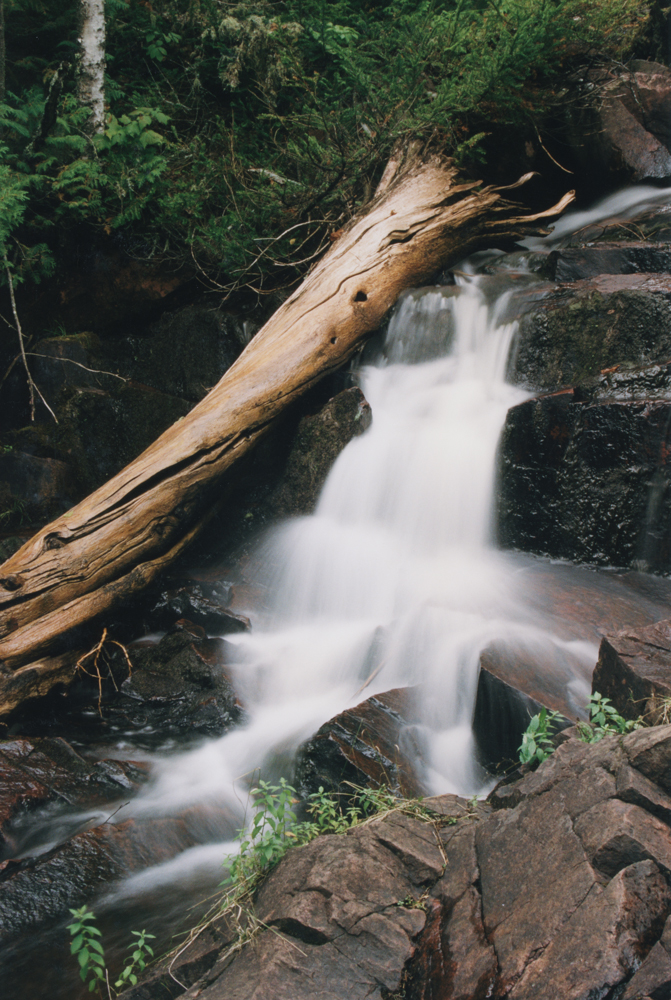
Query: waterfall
(394,580)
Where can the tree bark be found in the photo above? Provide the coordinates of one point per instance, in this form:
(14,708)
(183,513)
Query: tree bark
(91,76)
(116,541)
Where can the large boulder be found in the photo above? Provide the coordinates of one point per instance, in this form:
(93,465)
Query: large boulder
(370,745)
(555,889)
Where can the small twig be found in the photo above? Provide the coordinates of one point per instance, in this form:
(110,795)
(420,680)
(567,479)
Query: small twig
(112,815)
(96,371)
(547,151)
(32,388)
(369,679)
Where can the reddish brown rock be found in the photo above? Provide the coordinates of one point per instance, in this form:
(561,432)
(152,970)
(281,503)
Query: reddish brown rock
(43,772)
(603,941)
(653,979)
(617,834)
(634,666)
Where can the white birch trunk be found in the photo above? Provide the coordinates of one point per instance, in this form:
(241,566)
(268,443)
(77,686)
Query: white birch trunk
(91,81)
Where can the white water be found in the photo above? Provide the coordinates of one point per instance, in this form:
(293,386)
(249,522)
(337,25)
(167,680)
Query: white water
(394,573)
(395,577)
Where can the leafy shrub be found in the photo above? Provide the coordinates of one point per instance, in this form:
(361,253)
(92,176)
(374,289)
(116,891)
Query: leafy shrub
(239,135)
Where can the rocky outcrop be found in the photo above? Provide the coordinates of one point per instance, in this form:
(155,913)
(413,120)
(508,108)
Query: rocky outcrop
(557,888)
(618,122)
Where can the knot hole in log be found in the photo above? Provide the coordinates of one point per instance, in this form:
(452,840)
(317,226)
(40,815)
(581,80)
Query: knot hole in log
(12,582)
(54,541)
(361,297)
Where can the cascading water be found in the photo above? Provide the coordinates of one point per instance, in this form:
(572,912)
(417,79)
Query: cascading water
(394,580)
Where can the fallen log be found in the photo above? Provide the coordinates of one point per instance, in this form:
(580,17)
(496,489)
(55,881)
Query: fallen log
(117,540)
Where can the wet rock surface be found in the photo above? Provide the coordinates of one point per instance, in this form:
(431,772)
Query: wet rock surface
(527,896)
(318,441)
(371,745)
(180,686)
(578,329)
(584,472)
(39,773)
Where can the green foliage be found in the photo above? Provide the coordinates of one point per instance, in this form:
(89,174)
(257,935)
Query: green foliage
(536,743)
(137,962)
(86,947)
(604,720)
(275,828)
(88,950)
(239,134)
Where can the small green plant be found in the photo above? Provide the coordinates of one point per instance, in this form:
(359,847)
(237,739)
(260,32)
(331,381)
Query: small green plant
(86,947)
(137,962)
(537,743)
(604,720)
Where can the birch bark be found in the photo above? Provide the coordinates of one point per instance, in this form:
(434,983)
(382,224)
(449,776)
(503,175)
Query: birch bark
(91,78)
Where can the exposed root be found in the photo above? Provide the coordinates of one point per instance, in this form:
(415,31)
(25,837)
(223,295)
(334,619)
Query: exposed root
(99,654)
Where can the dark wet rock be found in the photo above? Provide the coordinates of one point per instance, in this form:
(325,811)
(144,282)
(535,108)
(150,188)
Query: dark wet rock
(586,478)
(371,745)
(43,887)
(184,353)
(579,329)
(577,263)
(179,687)
(318,441)
(41,773)
(204,605)
(634,669)
(32,488)
(511,689)
(104,430)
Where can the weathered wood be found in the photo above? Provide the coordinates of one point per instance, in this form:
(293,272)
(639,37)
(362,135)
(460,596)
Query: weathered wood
(117,540)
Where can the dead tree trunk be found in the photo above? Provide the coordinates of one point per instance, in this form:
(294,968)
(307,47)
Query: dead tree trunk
(116,541)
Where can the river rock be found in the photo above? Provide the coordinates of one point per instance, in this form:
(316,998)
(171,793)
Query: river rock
(178,687)
(525,897)
(44,887)
(318,441)
(40,773)
(578,263)
(584,474)
(201,603)
(371,745)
